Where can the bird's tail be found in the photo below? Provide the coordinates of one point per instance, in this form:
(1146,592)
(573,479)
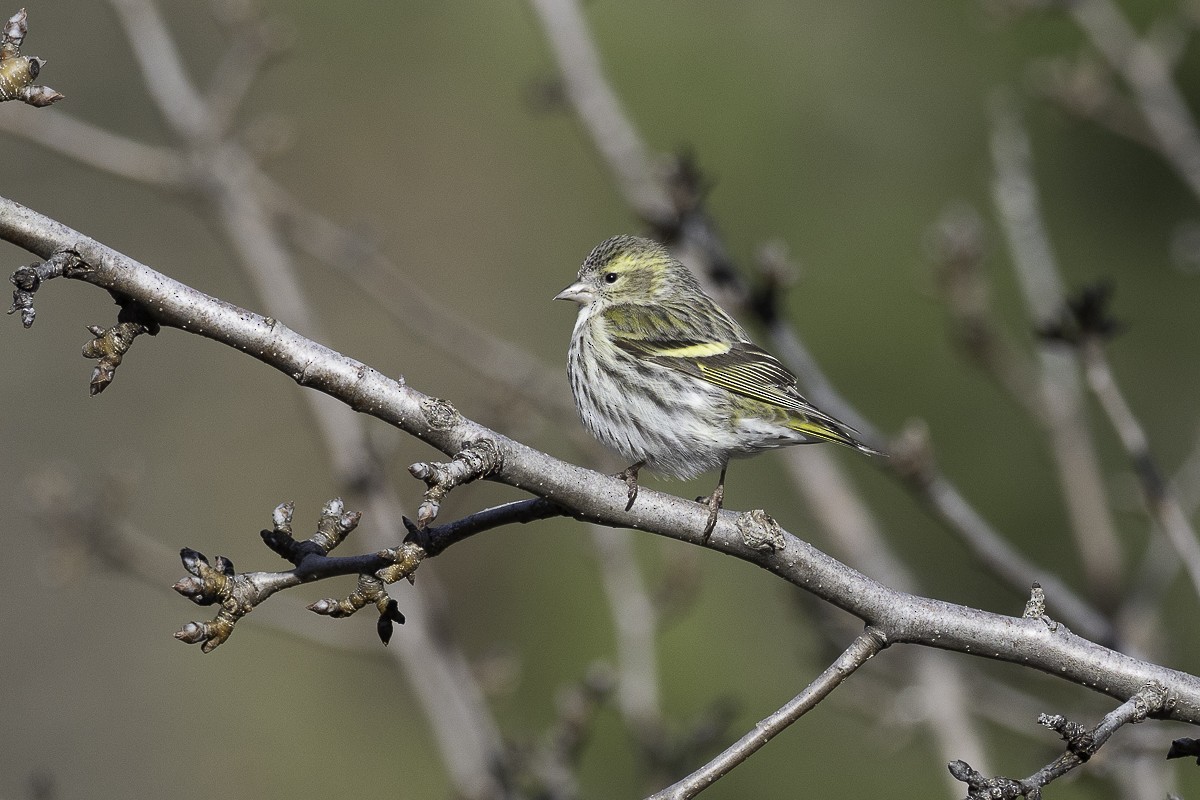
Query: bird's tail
(827,429)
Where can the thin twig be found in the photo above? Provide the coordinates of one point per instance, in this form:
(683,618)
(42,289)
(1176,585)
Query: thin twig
(1082,744)
(1087,89)
(1161,504)
(1148,75)
(437,538)
(600,110)
(162,68)
(861,650)
(957,248)
(99,148)
(433,323)
(635,622)
(856,534)
(1060,391)
(254,42)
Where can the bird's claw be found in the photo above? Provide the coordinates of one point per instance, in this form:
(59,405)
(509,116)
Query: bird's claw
(714,502)
(630,476)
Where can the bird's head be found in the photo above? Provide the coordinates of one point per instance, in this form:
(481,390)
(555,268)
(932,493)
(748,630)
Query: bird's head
(628,270)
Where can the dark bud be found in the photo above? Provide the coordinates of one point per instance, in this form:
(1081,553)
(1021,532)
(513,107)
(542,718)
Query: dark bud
(225,566)
(135,312)
(35,66)
(764,302)
(1091,310)
(384,628)
(417,534)
(281,543)
(689,184)
(192,560)
(1086,316)
(393,613)
(1185,748)
(390,615)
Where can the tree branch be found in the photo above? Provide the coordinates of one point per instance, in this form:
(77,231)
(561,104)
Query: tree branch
(862,649)
(1148,75)
(1082,744)
(898,616)
(1058,385)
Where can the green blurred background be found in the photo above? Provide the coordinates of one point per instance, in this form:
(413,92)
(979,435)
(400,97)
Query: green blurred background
(842,129)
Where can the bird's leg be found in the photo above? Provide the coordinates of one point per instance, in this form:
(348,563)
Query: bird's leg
(630,476)
(714,502)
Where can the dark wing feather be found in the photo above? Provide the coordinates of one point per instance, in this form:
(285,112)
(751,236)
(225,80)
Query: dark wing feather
(739,367)
(724,360)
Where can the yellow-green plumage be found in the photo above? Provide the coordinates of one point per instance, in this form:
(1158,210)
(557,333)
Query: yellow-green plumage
(670,381)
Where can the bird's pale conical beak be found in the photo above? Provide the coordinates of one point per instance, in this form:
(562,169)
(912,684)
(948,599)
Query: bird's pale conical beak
(576,293)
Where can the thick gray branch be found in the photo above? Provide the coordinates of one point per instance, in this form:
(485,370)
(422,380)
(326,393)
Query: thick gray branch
(899,617)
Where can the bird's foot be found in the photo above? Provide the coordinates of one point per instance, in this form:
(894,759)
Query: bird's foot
(714,502)
(630,476)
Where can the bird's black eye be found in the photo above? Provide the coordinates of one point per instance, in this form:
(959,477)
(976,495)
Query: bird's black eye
(610,277)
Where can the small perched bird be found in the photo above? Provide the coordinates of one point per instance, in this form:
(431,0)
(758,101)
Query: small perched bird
(671,382)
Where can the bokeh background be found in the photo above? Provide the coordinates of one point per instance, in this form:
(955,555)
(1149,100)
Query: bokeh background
(843,130)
